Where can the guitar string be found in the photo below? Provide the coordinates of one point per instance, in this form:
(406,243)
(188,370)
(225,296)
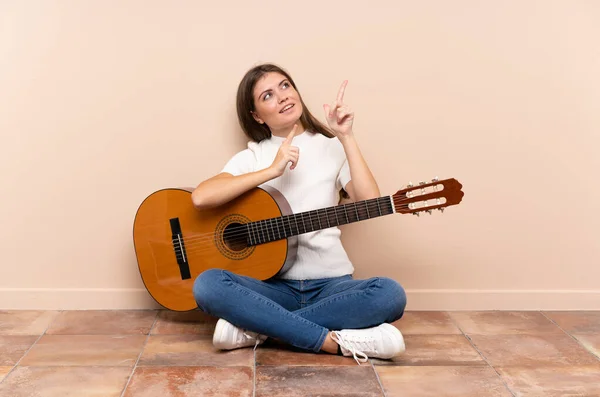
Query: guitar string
(296,219)
(201,247)
(314,215)
(267,228)
(241,237)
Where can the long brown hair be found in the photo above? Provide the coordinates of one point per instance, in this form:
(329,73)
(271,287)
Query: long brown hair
(245,105)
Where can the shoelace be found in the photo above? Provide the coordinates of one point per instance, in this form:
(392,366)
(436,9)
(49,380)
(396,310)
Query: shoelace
(352,346)
(248,336)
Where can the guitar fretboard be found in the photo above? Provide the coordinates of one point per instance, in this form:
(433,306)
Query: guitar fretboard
(273,229)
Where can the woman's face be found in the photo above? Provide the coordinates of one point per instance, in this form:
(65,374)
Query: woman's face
(276,102)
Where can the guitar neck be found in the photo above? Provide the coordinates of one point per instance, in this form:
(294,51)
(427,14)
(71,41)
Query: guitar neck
(278,228)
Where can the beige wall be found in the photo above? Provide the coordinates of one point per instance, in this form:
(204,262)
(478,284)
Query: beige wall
(102,103)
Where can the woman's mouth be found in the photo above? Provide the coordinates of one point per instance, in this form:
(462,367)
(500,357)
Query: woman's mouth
(287,108)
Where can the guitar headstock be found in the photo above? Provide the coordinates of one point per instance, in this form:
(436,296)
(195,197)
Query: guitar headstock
(426,197)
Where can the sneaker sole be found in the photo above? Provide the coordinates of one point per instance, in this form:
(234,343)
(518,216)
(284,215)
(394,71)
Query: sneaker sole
(399,347)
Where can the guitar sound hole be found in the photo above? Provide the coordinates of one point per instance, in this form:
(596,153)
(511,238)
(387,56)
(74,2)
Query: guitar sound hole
(235,236)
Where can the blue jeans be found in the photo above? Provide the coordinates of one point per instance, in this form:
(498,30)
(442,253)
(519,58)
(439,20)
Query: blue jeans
(299,312)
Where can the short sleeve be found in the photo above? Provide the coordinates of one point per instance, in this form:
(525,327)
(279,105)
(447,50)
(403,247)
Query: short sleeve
(344,175)
(339,154)
(241,163)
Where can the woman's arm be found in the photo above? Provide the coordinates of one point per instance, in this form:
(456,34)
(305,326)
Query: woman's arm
(340,118)
(362,185)
(225,187)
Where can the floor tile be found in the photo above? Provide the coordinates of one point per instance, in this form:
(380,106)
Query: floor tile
(579,322)
(190,382)
(423,322)
(65,382)
(535,350)
(441,381)
(436,350)
(191,350)
(193,322)
(292,381)
(499,322)
(280,355)
(111,350)
(13,347)
(553,381)
(25,322)
(102,322)
(4,371)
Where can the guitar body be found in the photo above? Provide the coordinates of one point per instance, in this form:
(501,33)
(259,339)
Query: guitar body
(175,242)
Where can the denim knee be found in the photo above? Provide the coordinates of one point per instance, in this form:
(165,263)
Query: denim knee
(395,297)
(204,287)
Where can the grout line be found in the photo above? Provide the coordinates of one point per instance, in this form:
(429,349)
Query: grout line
(33,344)
(378,380)
(140,355)
(572,337)
(254,376)
(481,354)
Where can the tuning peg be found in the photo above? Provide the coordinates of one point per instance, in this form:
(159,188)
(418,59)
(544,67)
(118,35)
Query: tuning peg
(416,213)
(422,183)
(428,211)
(441,209)
(409,185)
(435,179)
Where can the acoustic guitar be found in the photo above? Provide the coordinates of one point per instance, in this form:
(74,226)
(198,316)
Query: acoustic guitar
(253,235)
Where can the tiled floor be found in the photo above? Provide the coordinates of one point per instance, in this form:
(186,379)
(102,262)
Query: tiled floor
(168,354)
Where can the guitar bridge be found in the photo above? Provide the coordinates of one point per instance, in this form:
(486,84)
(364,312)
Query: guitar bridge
(179,248)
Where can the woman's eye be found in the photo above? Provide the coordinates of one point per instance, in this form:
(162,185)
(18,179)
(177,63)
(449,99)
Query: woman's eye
(266,96)
(286,85)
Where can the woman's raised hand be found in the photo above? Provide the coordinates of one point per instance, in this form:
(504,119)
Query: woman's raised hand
(339,116)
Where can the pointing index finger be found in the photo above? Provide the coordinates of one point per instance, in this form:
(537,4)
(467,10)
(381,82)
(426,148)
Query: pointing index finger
(290,136)
(340,97)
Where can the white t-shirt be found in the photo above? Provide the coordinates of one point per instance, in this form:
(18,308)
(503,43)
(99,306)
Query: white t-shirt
(322,170)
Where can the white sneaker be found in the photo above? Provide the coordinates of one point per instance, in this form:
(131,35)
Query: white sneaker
(383,341)
(227,336)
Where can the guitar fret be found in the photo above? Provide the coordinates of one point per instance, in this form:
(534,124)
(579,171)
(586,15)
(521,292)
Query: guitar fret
(367,206)
(356,209)
(252,232)
(273,230)
(327,216)
(378,207)
(282,228)
(346,212)
(262,231)
(319,219)
(336,217)
(303,224)
(248,233)
(296,221)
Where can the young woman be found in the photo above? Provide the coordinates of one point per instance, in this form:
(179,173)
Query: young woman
(316,304)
